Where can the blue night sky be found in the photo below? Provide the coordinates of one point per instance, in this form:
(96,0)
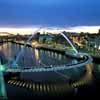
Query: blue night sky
(24,13)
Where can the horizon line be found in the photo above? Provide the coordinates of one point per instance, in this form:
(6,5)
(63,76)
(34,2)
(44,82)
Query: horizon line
(29,30)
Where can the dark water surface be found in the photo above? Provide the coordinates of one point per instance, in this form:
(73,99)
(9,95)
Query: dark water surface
(31,58)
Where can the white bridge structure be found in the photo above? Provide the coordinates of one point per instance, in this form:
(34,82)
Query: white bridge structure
(87,60)
(14,68)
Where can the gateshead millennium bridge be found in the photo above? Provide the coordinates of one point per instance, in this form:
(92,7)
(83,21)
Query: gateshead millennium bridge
(41,64)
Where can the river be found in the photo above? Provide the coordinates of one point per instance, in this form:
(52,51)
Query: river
(31,58)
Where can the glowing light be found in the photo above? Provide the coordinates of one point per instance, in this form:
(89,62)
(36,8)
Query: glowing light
(2,68)
(29,30)
(2,84)
(95,46)
(34,43)
(99,48)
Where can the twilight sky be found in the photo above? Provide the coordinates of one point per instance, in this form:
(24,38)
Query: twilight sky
(21,13)
(53,13)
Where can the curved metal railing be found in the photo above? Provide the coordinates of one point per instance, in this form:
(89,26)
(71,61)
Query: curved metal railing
(87,60)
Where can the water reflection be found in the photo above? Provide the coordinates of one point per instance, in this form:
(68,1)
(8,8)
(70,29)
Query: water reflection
(32,57)
(36,53)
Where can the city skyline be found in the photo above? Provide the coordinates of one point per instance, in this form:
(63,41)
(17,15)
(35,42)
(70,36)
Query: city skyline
(30,30)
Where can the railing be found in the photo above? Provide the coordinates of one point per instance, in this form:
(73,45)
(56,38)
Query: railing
(87,60)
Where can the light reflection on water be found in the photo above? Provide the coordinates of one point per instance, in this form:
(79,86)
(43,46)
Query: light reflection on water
(32,57)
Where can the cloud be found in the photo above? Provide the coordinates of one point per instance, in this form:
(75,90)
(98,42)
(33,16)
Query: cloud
(20,13)
(91,29)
